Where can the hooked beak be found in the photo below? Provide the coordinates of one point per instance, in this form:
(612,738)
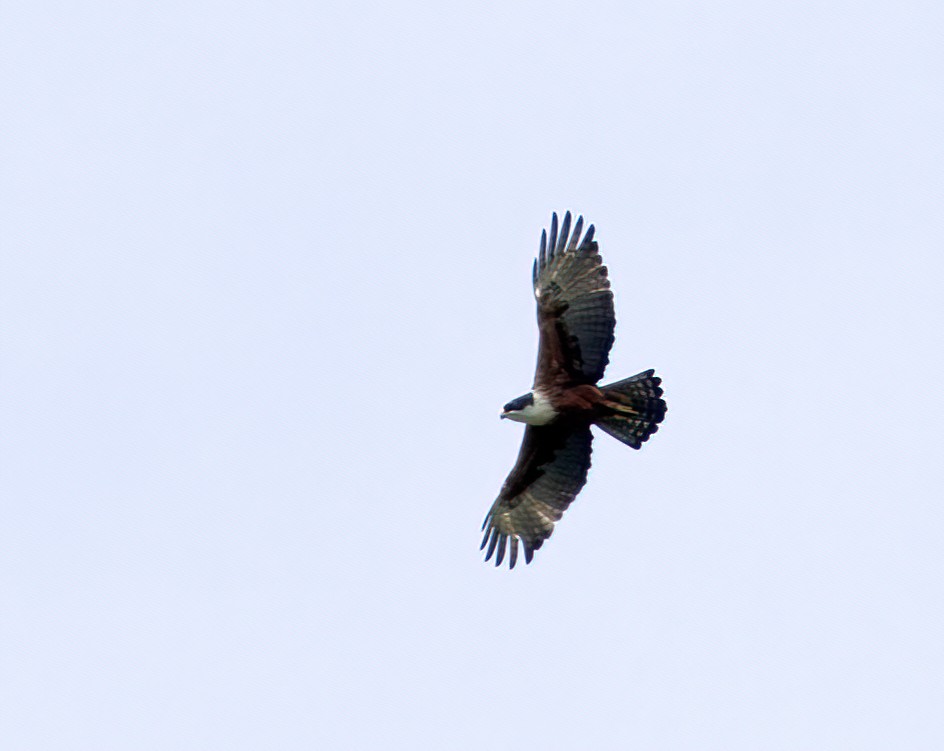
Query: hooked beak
(503,415)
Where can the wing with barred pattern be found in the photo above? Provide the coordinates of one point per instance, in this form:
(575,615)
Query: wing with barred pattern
(551,469)
(575,306)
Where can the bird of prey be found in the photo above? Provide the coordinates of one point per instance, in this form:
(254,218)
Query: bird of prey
(575,324)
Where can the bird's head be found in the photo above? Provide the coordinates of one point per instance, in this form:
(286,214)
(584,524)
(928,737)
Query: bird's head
(516,409)
(534,409)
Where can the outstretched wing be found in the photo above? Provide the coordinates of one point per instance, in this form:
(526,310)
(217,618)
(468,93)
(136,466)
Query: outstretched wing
(575,307)
(551,469)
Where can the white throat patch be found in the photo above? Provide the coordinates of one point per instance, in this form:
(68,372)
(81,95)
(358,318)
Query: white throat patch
(539,413)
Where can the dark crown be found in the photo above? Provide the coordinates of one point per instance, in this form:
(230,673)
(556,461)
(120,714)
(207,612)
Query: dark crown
(516,405)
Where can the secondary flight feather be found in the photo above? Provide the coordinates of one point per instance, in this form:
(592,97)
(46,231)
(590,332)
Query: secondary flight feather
(576,320)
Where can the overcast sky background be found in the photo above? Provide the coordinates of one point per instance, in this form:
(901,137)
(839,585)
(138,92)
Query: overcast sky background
(266,284)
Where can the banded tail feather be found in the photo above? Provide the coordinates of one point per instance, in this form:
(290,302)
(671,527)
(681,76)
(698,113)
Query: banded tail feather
(635,408)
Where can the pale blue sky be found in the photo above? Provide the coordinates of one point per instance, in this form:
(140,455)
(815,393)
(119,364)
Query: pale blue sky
(266,284)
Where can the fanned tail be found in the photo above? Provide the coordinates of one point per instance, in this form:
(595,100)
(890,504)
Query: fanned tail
(633,408)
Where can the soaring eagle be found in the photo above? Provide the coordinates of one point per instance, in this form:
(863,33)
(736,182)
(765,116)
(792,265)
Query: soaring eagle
(575,321)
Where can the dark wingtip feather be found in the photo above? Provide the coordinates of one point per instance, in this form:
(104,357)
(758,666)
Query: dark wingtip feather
(588,239)
(513,553)
(542,255)
(552,244)
(485,539)
(575,238)
(502,539)
(528,551)
(492,544)
(564,234)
